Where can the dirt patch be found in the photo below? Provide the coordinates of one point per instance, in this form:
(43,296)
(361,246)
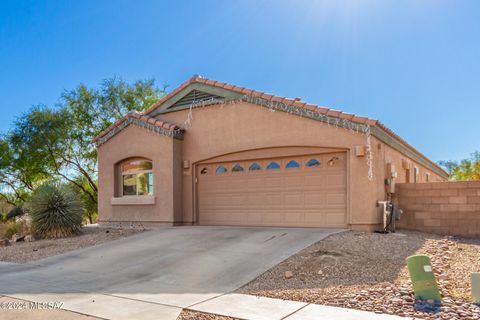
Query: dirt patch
(367,271)
(22,252)
(195,315)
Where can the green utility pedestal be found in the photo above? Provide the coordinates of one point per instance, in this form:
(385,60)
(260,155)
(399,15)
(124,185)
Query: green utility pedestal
(476,287)
(423,280)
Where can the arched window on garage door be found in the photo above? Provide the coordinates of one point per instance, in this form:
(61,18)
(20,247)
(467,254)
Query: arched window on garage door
(273,166)
(254,167)
(292,164)
(313,163)
(136,177)
(237,168)
(221,169)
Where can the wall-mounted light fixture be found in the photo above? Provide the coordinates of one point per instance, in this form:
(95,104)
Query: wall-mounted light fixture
(359,151)
(331,162)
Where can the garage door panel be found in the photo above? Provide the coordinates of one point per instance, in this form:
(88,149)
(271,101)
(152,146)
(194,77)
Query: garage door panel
(273,217)
(273,199)
(255,183)
(293,199)
(253,218)
(335,180)
(255,200)
(315,217)
(335,218)
(294,181)
(292,218)
(335,199)
(300,196)
(272,181)
(316,179)
(238,184)
(238,200)
(218,200)
(314,198)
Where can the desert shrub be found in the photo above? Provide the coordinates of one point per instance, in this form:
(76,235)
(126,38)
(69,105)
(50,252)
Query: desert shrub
(55,211)
(90,214)
(3,217)
(11,228)
(15,212)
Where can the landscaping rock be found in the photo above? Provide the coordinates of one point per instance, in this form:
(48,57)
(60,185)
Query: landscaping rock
(29,238)
(4,242)
(288,274)
(371,275)
(17,238)
(29,251)
(196,315)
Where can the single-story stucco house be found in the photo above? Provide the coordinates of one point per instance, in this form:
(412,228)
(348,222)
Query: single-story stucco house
(211,153)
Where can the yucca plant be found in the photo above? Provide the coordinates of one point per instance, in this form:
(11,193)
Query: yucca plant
(56,211)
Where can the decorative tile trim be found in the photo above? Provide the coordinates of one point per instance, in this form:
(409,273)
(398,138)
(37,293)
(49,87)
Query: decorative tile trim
(177,134)
(303,112)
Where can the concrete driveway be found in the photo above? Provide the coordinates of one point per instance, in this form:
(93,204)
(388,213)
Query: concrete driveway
(153,275)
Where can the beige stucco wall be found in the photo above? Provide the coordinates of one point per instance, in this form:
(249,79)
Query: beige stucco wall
(219,131)
(395,157)
(386,154)
(132,142)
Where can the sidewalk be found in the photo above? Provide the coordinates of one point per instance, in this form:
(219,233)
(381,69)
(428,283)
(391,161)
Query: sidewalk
(94,306)
(260,308)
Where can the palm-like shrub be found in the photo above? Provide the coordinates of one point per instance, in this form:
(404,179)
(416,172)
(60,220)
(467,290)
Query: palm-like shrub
(56,211)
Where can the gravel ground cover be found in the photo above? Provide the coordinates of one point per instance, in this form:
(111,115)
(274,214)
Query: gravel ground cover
(367,271)
(22,252)
(195,315)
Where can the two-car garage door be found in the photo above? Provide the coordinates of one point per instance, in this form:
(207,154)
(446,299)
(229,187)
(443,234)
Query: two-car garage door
(301,191)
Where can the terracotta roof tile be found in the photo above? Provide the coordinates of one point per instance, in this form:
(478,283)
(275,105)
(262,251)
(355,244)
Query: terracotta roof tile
(276,99)
(151,120)
(299,104)
(333,113)
(141,117)
(359,119)
(266,96)
(322,110)
(347,116)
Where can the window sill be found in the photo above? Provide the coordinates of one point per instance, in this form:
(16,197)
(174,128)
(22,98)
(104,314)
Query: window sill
(133,200)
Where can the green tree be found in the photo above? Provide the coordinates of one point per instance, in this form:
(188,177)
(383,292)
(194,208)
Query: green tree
(18,175)
(55,142)
(464,170)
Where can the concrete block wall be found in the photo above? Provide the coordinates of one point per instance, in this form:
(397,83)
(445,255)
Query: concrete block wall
(449,208)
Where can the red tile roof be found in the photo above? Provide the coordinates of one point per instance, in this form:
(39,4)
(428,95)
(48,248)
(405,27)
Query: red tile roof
(289,102)
(141,117)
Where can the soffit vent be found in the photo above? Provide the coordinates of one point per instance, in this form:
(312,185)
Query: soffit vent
(194,96)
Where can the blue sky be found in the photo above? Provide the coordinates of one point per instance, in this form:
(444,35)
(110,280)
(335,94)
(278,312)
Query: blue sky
(415,65)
